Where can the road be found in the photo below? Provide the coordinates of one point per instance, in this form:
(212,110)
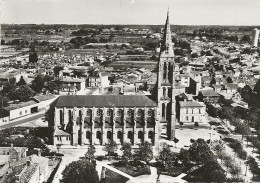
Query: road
(25,120)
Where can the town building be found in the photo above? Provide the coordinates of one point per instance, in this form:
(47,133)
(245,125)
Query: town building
(208,96)
(97,119)
(192,112)
(18,109)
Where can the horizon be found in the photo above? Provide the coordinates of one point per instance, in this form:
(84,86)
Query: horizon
(131,12)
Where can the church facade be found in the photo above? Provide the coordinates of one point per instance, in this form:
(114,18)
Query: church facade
(90,119)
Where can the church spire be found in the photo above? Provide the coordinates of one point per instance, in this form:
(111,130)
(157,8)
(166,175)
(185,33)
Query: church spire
(167,38)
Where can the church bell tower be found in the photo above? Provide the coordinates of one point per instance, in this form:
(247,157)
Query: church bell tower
(166,83)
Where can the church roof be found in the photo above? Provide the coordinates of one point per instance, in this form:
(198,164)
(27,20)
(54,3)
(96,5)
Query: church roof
(104,101)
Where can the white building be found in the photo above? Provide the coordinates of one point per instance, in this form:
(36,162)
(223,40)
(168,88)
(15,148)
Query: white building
(255,35)
(192,111)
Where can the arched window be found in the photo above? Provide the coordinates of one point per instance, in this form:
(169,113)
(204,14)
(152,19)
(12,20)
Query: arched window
(80,115)
(88,135)
(98,135)
(119,135)
(163,110)
(70,116)
(130,112)
(140,135)
(89,112)
(150,112)
(99,112)
(130,135)
(109,135)
(164,91)
(187,111)
(109,112)
(150,135)
(119,112)
(61,117)
(164,70)
(140,112)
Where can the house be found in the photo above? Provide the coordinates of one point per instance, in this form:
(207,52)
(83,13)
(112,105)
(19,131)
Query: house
(208,96)
(30,169)
(231,88)
(97,79)
(71,85)
(192,112)
(20,109)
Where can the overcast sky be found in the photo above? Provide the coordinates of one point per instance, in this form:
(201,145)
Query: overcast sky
(182,12)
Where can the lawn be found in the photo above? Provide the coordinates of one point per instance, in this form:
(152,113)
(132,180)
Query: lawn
(173,171)
(132,169)
(112,177)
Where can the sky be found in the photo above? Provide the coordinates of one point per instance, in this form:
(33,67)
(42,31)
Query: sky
(182,12)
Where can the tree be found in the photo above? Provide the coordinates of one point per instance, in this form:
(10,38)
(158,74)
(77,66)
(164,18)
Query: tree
(145,152)
(213,172)
(81,171)
(110,148)
(165,154)
(127,152)
(22,93)
(226,113)
(243,129)
(200,151)
(8,87)
(90,154)
(38,83)
(21,81)
(184,156)
(12,80)
(246,38)
(33,57)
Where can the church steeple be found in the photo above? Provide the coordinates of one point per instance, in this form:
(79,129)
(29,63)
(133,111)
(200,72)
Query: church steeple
(166,82)
(167,38)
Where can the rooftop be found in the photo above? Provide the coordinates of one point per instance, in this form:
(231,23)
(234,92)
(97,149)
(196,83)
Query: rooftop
(209,93)
(104,101)
(191,104)
(19,105)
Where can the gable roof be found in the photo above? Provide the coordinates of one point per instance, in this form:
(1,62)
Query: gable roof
(191,104)
(209,93)
(104,101)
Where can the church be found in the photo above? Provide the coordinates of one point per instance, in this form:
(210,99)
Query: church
(97,119)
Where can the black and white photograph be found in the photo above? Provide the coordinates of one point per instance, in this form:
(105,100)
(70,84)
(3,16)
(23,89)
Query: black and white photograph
(129,91)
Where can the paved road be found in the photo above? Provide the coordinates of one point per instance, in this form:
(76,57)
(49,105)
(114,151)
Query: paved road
(25,120)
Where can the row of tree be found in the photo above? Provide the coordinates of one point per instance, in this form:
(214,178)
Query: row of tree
(21,90)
